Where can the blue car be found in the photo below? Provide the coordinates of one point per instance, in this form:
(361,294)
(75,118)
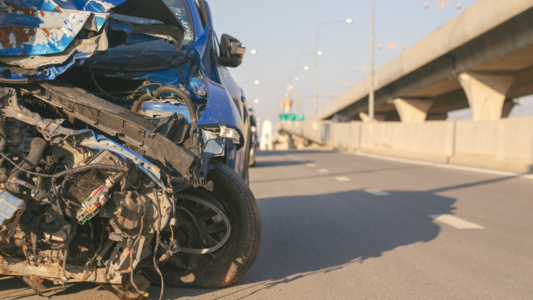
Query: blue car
(125,146)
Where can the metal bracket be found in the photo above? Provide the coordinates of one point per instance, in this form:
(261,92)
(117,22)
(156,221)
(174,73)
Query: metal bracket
(214,146)
(89,139)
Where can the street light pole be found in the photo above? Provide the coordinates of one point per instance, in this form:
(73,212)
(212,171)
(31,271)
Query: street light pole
(371,92)
(318,53)
(255,82)
(442,5)
(316,69)
(391,46)
(299,103)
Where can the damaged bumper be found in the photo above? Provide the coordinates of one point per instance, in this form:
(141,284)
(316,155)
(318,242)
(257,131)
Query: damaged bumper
(108,109)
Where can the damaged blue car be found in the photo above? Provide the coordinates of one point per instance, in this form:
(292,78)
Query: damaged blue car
(124,147)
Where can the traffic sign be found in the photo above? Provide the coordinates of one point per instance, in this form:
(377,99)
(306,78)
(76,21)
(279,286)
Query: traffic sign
(292,117)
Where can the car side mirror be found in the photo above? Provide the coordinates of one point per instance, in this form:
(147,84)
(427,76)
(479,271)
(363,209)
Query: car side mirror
(231,51)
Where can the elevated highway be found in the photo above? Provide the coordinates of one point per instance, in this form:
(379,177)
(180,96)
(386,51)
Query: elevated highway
(481,59)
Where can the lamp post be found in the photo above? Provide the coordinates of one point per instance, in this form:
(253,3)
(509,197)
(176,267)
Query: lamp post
(299,101)
(392,45)
(289,85)
(371,92)
(255,82)
(290,75)
(442,5)
(362,68)
(318,53)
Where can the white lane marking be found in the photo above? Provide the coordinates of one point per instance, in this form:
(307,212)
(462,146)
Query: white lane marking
(343,179)
(455,222)
(377,192)
(311,165)
(445,166)
(323,171)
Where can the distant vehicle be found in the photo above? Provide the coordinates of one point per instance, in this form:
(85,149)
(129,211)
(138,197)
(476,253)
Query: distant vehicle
(253,139)
(341,118)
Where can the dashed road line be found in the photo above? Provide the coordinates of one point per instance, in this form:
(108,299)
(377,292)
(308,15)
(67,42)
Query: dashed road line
(311,165)
(323,171)
(343,179)
(455,222)
(377,192)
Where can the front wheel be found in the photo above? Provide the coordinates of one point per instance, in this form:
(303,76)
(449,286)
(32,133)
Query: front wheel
(229,263)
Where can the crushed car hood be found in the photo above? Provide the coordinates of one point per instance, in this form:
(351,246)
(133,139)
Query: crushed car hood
(41,39)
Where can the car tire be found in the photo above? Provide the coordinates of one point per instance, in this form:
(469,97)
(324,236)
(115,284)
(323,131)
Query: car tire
(237,256)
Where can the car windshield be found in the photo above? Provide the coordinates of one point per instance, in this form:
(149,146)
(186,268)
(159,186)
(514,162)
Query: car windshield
(180,8)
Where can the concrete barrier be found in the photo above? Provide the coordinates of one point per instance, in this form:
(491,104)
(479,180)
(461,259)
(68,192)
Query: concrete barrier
(505,144)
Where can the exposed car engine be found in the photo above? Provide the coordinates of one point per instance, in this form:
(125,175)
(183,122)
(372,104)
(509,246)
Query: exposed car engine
(77,206)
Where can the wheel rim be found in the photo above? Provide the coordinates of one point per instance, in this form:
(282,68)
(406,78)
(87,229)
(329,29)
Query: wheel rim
(201,224)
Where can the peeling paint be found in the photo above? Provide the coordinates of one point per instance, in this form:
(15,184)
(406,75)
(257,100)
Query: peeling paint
(32,27)
(44,28)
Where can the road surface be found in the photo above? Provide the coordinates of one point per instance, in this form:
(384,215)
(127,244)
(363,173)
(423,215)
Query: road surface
(342,226)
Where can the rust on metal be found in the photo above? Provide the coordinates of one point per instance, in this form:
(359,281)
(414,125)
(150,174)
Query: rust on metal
(17,267)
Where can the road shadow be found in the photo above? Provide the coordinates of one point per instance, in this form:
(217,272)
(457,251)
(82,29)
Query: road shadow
(279,163)
(303,234)
(13,288)
(307,235)
(293,152)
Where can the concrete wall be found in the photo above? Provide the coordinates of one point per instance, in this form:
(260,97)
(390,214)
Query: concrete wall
(505,144)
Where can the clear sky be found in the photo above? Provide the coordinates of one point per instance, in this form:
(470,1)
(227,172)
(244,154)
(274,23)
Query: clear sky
(280,30)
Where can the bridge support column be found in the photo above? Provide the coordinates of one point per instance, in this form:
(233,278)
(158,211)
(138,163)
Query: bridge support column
(486,94)
(377,117)
(508,105)
(412,111)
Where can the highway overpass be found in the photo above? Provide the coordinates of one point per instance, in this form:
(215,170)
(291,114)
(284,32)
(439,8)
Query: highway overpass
(481,59)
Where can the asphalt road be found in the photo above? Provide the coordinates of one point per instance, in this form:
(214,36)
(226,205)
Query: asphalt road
(342,226)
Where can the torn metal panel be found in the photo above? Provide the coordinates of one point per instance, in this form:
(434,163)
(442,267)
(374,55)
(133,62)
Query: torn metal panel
(9,205)
(221,111)
(36,32)
(89,139)
(84,49)
(230,133)
(60,5)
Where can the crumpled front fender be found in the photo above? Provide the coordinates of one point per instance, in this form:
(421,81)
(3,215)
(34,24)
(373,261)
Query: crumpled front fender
(220,110)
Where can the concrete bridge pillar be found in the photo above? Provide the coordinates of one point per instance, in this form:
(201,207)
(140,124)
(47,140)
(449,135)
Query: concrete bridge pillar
(508,105)
(377,117)
(411,110)
(486,93)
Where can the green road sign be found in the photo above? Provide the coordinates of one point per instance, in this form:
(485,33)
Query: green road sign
(292,117)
